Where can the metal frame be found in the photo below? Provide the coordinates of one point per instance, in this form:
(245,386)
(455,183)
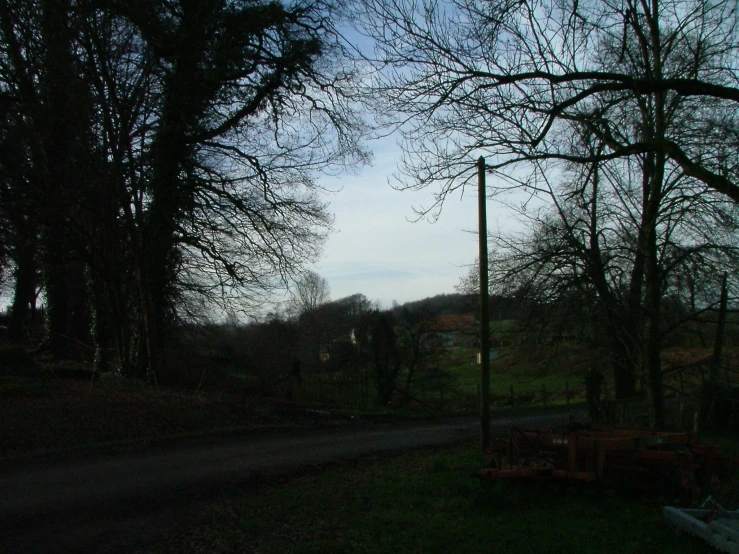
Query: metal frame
(665,462)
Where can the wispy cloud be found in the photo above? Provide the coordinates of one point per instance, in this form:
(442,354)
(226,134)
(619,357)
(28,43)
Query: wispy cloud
(378,274)
(377,251)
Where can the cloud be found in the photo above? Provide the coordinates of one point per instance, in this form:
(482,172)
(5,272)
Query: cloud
(377,251)
(372,275)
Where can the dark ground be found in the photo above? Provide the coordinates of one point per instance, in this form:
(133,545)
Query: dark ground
(114,499)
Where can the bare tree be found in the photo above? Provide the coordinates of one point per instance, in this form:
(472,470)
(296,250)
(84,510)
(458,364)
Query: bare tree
(311,291)
(476,76)
(579,259)
(541,86)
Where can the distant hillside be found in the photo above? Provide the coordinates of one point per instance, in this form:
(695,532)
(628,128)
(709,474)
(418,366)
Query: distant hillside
(443,304)
(457,304)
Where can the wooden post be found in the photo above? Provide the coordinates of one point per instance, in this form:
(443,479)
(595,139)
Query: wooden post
(512,397)
(544,395)
(599,461)
(718,346)
(567,392)
(484,307)
(710,388)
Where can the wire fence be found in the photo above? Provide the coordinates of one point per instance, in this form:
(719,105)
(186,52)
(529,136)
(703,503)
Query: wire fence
(435,393)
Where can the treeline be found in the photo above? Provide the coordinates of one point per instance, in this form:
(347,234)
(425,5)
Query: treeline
(157,162)
(390,349)
(394,350)
(466,301)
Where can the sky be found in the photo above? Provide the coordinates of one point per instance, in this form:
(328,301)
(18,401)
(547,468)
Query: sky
(377,249)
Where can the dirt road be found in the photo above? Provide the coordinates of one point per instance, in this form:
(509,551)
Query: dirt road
(110,501)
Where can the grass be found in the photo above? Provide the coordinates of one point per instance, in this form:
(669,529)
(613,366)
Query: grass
(527,375)
(450,382)
(40,413)
(425,502)
(52,415)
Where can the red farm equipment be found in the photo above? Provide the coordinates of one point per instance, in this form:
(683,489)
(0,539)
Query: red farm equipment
(635,459)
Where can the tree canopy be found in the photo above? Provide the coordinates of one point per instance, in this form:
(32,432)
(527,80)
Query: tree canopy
(509,79)
(167,155)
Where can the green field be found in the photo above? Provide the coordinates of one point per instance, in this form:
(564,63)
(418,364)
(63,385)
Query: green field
(450,382)
(527,376)
(427,502)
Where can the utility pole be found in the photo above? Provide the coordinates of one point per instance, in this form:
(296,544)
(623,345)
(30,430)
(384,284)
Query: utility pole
(484,308)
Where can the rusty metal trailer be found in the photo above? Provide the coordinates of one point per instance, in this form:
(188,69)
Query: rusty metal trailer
(672,463)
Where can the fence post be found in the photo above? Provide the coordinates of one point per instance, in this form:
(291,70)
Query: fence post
(512,397)
(544,395)
(567,392)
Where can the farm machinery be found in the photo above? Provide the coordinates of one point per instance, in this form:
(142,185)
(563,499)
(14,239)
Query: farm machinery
(668,463)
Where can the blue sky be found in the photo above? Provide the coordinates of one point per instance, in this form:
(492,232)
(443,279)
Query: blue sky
(378,251)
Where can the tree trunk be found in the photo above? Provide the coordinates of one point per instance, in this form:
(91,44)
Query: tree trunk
(624,364)
(102,331)
(170,194)
(653,296)
(64,166)
(24,292)
(54,263)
